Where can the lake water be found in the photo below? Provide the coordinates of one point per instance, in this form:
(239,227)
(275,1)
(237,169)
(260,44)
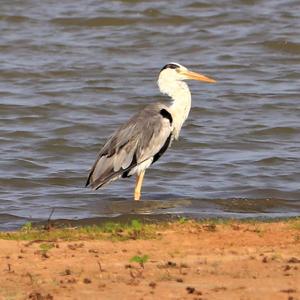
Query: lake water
(72,71)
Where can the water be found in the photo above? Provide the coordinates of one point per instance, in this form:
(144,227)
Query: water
(73,71)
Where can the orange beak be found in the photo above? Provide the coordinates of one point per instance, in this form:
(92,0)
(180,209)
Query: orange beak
(197,76)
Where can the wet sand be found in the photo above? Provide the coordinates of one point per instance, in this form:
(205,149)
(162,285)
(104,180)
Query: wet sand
(180,261)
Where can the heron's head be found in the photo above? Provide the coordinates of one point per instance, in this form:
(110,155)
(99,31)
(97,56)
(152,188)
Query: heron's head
(171,74)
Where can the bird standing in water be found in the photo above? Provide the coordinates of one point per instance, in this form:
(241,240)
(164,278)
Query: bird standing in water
(147,135)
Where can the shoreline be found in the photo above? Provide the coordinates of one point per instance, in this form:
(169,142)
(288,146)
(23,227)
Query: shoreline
(122,210)
(183,259)
(146,219)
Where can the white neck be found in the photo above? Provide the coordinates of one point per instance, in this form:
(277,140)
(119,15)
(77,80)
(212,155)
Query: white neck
(181,104)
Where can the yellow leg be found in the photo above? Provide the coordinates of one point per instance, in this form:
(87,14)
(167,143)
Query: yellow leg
(138,185)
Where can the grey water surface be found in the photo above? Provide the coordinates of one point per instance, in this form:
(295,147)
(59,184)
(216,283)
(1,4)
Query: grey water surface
(72,71)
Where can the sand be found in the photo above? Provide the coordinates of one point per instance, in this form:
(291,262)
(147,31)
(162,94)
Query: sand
(184,261)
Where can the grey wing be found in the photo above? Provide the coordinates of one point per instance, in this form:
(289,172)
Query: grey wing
(145,136)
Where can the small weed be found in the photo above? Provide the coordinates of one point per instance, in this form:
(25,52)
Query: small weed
(295,223)
(113,228)
(141,260)
(135,230)
(27,227)
(136,273)
(45,247)
(136,225)
(182,220)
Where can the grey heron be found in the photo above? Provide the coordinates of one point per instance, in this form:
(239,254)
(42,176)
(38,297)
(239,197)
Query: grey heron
(147,135)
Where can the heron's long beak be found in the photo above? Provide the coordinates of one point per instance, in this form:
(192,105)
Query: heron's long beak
(197,76)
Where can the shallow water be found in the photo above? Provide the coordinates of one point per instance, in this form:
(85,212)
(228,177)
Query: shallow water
(72,71)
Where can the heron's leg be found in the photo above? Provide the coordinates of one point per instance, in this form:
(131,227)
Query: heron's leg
(138,185)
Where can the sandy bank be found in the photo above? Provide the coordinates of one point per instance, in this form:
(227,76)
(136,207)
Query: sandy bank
(186,260)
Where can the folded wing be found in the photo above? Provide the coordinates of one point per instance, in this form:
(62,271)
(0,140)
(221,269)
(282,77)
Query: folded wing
(145,136)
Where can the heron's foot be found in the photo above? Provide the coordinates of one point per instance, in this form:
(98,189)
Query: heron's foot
(137,196)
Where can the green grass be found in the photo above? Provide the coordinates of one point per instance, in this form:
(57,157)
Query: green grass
(141,260)
(295,223)
(45,247)
(182,220)
(119,231)
(111,231)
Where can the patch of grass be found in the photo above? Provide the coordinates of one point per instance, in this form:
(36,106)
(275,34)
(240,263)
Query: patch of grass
(295,223)
(36,234)
(26,227)
(182,220)
(111,227)
(136,225)
(45,247)
(141,260)
(112,231)
(132,230)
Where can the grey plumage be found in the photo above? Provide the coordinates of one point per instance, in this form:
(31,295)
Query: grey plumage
(148,134)
(142,140)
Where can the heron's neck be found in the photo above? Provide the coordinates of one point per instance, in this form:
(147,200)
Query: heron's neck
(181,104)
